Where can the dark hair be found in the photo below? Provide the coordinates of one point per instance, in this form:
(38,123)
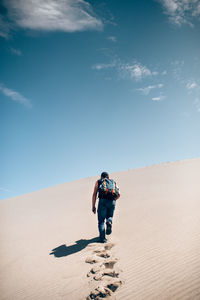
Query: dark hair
(104,175)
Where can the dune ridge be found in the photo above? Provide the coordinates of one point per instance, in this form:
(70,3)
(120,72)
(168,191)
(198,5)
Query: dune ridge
(48,235)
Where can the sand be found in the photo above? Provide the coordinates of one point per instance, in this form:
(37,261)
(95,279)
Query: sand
(49,248)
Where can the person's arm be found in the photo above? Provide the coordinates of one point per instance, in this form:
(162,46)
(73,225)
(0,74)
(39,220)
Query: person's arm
(94,196)
(117,196)
(118,192)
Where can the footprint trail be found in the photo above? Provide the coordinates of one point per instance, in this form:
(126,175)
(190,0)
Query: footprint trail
(103,272)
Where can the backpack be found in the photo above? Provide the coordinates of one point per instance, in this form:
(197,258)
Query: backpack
(108,189)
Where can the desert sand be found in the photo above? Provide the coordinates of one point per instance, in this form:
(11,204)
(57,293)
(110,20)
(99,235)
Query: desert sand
(49,248)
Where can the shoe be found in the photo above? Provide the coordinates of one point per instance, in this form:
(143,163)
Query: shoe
(108,228)
(103,240)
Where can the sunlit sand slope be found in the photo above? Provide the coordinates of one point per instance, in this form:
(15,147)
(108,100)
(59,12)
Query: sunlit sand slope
(49,248)
(158,228)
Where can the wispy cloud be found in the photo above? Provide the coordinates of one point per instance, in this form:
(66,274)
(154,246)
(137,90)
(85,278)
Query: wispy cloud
(103,66)
(15,96)
(181,11)
(164,72)
(159,98)
(193,88)
(191,85)
(177,68)
(146,90)
(51,15)
(135,71)
(112,39)
(4,190)
(16,51)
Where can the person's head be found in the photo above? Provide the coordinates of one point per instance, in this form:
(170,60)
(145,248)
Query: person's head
(104,175)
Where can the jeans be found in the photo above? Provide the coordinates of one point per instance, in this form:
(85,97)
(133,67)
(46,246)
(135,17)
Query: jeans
(105,211)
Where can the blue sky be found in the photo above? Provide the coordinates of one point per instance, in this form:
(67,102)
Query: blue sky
(93,86)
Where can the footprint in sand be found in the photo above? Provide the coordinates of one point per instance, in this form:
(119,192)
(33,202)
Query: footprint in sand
(104,254)
(111,273)
(109,264)
(104,271)
(94,271)
(114,285)
(91,260)
(100,252)
(108,246)
(105,291)
(100,292)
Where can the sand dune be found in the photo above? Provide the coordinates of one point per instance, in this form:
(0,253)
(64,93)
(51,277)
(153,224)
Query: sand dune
(49,248)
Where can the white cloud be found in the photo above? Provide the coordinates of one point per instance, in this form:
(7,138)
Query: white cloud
(160,85)
(16,51)
(191,85)
(146,90)
(15,96)
(194,91)
(170,5)
(112,38)
(177,68)
(181,11)
(159,98)
(135,71)
(103,66)
(52,15)
(196,12)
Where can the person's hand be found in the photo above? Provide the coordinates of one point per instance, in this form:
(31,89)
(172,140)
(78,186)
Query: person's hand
(94,209)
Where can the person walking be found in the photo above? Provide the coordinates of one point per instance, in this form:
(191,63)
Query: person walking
(108,193)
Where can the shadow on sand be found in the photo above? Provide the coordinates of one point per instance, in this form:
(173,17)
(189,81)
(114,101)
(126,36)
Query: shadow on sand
(79,245)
